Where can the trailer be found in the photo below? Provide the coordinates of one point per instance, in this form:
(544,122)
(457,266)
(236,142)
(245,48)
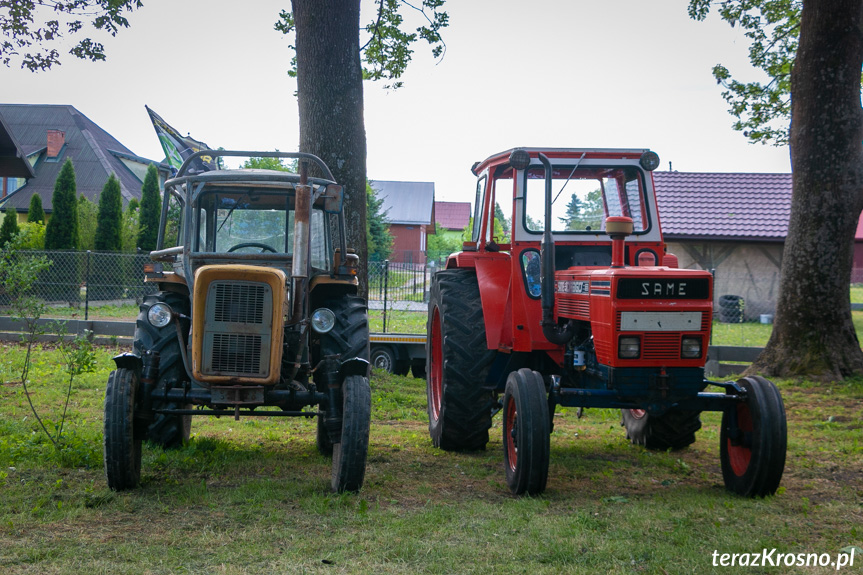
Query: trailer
(399,353)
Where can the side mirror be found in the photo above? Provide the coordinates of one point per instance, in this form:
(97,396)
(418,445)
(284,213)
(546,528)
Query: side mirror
(334,198)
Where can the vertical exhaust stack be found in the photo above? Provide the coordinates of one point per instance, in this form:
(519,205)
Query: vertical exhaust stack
(556,334)
(300,265)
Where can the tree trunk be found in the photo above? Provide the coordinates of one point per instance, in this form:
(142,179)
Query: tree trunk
(330,96)
(813,334)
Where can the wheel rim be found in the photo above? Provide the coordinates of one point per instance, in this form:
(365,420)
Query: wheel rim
(436,368)
(739,456)
(510,420)
(382,361)
(637,413)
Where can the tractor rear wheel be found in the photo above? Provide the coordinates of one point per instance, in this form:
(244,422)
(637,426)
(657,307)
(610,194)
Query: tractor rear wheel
(165,430)
(526,429)
(753,440)
(122,440)
(349,455)
(674,429)
(459,407)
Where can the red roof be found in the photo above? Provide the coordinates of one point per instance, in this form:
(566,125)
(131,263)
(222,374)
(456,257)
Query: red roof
(724,206)
(452,215)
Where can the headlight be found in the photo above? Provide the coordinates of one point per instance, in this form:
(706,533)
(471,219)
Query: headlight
(628,347)
(323,320)
(649,161)
(690,348)
(159,315)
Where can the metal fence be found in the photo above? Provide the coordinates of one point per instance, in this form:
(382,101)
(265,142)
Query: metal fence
(82,279)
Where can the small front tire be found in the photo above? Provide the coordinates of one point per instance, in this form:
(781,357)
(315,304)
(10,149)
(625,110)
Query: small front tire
(349,455)
(526,429)
(752,448)
(122,440)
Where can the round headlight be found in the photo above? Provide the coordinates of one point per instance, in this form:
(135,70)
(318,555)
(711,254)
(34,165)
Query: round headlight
(519,159)
(323,320)
(159,315)
(649,161)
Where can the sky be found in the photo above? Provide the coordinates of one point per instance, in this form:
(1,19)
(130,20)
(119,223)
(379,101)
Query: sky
(544,73)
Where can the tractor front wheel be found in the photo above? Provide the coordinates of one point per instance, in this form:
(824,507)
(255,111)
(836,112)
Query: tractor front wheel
(122,440)
(349,455)
(753,440)
(674,429)
(526,429)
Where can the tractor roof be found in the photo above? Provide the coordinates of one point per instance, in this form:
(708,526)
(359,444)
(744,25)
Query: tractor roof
(575,153)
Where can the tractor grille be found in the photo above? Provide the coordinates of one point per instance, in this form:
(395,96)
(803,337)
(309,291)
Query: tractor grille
(238,329)
(239,302)
(237,353)
(661,345)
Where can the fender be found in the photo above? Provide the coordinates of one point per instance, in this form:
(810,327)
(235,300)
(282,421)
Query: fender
(129,360)
(354,366)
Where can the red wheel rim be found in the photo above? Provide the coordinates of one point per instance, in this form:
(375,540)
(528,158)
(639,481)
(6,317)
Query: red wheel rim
(739,456)
(637,413)
(435,375)
(508,429)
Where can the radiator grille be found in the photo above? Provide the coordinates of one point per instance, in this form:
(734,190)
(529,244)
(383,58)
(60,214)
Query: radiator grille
(661,345)
(236,353)
(239,302)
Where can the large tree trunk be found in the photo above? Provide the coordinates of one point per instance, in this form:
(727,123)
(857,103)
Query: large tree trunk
(814,334)
(330,96)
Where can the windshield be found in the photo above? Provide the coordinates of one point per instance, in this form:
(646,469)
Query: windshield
(256,221)
(582,197)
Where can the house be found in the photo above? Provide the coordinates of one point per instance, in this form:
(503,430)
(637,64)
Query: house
(732,223)
(453,217)
(48,135)
(410,210)
(13,162)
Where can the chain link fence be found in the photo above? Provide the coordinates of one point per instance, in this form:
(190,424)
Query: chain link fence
(84,279)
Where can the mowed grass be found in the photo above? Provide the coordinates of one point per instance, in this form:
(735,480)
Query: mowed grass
(252,496)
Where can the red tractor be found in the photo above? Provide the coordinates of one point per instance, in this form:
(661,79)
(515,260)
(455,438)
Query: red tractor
(583,308)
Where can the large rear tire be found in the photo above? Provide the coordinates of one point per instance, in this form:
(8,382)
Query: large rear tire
(674,429)
(349,455)
(526,429)
(122,440)
(752,453)
(459,408)
(167,431)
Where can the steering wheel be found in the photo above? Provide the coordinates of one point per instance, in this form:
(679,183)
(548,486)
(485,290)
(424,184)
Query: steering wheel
(264,247)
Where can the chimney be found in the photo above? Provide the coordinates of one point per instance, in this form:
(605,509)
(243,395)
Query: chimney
(56,140)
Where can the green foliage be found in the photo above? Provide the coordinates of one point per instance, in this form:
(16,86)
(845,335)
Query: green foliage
(86,224)
(378,237)
(32,236)
(35,213)
(148,218)
(762,110)
(584,214)
(130,230)
(9,228)
(388,50)
(504,223)
(442,244)
(62,230)
(35,31)
(134,205)
(270,164)
(109,218)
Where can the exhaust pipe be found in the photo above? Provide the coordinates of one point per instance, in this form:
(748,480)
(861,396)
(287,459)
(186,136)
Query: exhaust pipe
(554,333)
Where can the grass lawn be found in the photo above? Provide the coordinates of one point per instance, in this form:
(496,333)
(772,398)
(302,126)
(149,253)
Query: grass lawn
(252,496)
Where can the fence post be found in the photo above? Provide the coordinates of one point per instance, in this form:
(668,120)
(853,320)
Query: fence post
(386,289)
(425,268)
(87,288)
